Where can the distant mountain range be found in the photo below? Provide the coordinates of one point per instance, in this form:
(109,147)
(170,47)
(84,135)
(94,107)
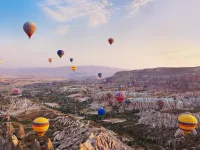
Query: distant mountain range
(60,72)
(162,74)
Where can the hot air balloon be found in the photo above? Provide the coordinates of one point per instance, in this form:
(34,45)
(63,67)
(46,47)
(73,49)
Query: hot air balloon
(16,92)
(71,59)
(101,112)
(29,28)
(60,53)
(50,60)
(99,75)
(120,96)
(160,103)
(40,125)
(187,123)
(110,40)
(0,61)
(127,101)
(74,68)
(100,87)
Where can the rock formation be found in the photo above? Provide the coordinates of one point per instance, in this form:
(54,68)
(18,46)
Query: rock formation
(74,134)
(20,132)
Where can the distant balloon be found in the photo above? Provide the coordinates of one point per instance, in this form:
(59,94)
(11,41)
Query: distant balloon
(110,40)
(74,68)
(100,87)
(29,28)
(99,75)
(0,61)
(40,125)
(127,101)
(60,53)
(187,123)
(50,60)
(120,96)
(71,59)
(16,91)
(160,103)
(102,112)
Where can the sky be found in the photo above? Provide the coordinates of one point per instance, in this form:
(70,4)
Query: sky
(147,33)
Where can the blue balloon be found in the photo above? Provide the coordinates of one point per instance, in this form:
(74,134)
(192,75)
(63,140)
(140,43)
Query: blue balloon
(60,53)
(101,112)
(100,75)
(127,101)
(71,59)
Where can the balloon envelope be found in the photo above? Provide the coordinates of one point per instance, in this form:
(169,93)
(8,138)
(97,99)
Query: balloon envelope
(71,59)
(110,40)
(99,75)
(60,53)
(127,101)
(40,125)
(101,112)
(29,28)
(0,61)
(16,91)
(74,68)
(120,96)
(50,60)
(187,123)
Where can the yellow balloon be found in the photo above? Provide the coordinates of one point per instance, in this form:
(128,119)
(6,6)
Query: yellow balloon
(0,61)
(187,123)
(73,68)
(40,125)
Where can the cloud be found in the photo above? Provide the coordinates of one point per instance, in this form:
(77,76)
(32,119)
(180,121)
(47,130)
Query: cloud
(62,29)
(98,11)
(136,5)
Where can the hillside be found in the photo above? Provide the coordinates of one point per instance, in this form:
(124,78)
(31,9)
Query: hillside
(60,72)
(184,73)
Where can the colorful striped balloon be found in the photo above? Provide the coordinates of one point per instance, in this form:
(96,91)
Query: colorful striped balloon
(187,123)
(120,96)
(40,125)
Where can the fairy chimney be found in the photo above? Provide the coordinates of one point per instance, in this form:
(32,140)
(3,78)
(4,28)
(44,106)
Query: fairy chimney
(10,128)
(20,132)
(36,145)
(48,145)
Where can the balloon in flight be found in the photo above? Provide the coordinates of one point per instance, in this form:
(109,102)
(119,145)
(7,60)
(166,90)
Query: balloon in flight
(99,75)
(60,53)
(187,123)
(29,28)
(120,96)
(111,41)
(50,60)
(71,59)
(16,91)
(40,125)
(102,112)
(74,68)
(0,61)
(127,101)
(100,87)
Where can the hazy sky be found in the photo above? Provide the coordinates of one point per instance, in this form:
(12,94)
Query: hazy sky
(147,33)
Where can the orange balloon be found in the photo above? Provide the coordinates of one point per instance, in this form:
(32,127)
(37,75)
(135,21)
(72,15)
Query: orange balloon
(29,28)
(50,60)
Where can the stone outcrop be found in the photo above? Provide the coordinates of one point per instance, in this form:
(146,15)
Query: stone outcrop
(74,134)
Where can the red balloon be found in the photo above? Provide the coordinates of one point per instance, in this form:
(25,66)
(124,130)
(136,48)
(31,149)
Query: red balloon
(110,40)
(16,91)
(120,96)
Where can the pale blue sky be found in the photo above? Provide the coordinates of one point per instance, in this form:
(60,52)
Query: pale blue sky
(147,33)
